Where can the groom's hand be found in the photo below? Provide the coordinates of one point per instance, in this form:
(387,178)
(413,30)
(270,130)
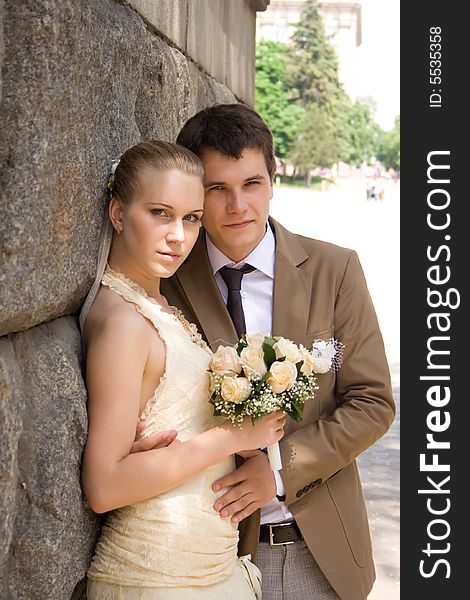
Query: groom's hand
(254,486)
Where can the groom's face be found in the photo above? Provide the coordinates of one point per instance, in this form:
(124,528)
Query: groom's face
(236,206)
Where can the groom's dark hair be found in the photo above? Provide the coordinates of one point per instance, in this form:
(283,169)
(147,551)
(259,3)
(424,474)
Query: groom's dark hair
(228,129)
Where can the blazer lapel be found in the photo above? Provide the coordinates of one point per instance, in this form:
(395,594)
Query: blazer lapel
(292,287)
(195,276)
(291,299)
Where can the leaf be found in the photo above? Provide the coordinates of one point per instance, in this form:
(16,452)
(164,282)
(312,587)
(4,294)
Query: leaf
(241,344)
(265,376)
(257,387)
(239,409)
(294,415)
(297,412)
(217,412)
(268,351)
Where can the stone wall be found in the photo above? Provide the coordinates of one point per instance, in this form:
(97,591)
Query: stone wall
(81,81)
(219,35)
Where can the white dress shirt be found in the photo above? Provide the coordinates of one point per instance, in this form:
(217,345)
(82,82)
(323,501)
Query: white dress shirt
(257,301)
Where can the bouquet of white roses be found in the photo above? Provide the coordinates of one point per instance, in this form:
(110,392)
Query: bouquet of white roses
(263,373)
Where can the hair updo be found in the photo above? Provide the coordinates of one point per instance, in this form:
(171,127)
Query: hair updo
(156,154)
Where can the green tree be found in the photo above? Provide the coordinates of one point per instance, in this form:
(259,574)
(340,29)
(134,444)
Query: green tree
(361,133)
(299,94)
(389,147)
(272,94)
(315,68)
(323,134)
(319,143)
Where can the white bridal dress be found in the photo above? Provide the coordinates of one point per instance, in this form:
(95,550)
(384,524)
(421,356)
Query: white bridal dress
(174,546)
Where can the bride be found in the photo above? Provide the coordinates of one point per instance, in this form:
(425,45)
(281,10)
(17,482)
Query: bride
(162,538)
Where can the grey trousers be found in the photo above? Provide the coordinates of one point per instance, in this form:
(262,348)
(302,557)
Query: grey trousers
(290,572)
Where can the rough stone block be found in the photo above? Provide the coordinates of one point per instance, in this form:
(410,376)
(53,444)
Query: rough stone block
(167,16)
(82,82)
(218,35)
(209,50)
(49,531)
(240,51)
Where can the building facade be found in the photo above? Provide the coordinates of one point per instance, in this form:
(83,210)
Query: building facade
(342,24)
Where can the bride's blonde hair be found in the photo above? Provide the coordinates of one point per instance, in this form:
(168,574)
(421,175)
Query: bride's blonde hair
(122,183)
(154,154)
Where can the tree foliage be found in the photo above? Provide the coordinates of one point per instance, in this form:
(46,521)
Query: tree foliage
(272,94)
(319,143)
(389,147)
(315,68)
(299,94)
(361,133)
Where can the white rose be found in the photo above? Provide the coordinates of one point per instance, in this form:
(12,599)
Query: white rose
(282,376)
(235,389)
(225,360)
(321,364)
(308,364)
(253,358)
(255,339)
(288,349)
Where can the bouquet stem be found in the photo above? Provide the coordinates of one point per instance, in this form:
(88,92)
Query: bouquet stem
(274,455)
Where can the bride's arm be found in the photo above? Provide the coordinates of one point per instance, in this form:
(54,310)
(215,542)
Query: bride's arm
(111,476)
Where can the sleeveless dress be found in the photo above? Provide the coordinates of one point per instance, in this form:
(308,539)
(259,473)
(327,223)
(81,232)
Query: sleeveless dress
(174,546)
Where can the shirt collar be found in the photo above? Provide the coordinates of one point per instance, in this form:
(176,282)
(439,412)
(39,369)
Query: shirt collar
(262,257)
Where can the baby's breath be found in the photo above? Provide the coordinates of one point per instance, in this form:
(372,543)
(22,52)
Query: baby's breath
(263,400)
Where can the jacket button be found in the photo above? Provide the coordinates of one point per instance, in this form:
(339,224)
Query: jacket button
(299,493)
(306,489)
(316,482)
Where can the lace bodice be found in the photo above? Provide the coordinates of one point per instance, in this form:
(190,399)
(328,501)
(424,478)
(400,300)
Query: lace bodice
(163,542)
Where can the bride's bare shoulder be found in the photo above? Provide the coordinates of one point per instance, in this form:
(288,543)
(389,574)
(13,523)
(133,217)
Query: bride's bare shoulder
(111,314)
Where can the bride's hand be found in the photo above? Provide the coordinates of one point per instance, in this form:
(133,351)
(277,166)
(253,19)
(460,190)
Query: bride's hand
(161,439)
(263,432)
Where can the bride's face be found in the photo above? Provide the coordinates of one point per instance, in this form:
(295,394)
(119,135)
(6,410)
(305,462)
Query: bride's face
(159,226)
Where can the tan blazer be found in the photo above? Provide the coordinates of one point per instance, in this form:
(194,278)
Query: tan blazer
(319,292)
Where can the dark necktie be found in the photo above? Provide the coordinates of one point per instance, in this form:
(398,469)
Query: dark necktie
(233,279)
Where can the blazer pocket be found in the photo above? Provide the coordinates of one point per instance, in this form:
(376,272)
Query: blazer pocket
(346,493)
(324,334)
(325,402)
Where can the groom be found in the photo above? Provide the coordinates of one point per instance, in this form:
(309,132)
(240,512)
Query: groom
(314,539)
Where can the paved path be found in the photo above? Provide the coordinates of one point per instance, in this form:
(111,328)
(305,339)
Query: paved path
(343,215)
(379,467)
